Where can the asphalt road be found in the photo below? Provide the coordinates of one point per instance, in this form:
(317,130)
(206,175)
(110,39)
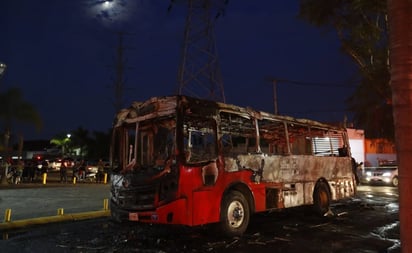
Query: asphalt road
(33,200)
(366,223)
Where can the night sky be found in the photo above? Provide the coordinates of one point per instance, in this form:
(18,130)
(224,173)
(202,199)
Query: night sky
(61,54)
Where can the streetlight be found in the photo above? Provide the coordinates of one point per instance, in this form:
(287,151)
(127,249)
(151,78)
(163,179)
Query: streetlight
(64,143)
(2,68)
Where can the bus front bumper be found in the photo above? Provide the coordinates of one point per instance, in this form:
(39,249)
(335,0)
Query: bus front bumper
(170,213)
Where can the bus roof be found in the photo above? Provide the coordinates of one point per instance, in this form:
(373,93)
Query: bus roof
(166,105)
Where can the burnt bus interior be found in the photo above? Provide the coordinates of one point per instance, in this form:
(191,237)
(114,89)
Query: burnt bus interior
(238,133)
(243,134)
(199,139)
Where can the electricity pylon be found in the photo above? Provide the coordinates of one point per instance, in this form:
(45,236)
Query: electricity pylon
(199,71)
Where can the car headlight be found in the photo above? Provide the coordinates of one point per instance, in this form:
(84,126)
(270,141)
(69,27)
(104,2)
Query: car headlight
(386,174)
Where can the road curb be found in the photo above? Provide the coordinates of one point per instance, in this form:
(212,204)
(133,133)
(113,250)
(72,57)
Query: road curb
(53,219)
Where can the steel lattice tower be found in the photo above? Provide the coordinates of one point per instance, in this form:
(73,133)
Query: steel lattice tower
(199,71)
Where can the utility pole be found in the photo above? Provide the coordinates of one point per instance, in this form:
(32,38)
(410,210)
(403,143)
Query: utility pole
(275,96)
(119,81)
(274,82)
(119,78)
(199,71)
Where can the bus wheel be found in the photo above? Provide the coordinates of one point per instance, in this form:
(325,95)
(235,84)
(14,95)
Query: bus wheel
(234,214)
(321,198)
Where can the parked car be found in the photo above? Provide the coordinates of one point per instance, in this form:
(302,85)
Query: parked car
(56,163)
(382,175)
(91,166)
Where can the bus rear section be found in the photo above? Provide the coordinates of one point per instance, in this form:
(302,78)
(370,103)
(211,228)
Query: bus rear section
(185,161)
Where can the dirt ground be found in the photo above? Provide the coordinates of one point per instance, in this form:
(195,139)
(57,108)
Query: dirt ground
(367,223)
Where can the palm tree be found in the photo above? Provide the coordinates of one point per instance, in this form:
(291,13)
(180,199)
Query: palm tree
(62,141)
(14,108)
(400,27)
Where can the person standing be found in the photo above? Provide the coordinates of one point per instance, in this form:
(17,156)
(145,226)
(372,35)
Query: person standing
(44,167)
(100,171)
(31,166)
(63,171)
(75,170)
(19,172)
(82,170)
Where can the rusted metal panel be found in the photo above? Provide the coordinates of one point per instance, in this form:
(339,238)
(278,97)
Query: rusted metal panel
(154,107)
(296,175)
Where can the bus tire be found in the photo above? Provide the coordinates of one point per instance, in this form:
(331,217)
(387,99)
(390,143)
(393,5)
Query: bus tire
(321,198)
(234,214)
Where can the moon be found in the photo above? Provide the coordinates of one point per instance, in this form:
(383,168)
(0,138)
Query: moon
(110,12)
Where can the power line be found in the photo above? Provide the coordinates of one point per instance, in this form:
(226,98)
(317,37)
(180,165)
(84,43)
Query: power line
(319,84)
(275,82)
(317,111)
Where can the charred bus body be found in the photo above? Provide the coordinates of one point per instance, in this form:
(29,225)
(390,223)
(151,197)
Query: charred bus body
(187,161)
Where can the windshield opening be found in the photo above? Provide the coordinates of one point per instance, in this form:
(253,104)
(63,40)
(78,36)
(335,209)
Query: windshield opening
(145,144)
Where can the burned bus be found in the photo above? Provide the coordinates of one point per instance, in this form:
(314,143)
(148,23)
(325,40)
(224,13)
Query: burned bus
(187,161)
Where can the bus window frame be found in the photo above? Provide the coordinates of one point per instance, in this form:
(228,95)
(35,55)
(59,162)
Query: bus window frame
(187,140)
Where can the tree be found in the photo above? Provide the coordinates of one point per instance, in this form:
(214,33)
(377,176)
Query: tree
(79,139)
(398,98)
(14,108)
(62,140)
(361,26)
(99,147)
(400,27)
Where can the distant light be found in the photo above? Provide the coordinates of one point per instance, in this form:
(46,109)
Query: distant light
(2,68)
(69,135)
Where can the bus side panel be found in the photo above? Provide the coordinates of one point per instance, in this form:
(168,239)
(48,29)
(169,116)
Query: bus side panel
(305,169)
(259,196)
(295,197)
(206,207)
(189,179)
(299,174)
(207,200)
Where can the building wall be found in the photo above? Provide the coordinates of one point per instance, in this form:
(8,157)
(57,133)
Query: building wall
(357,144)
(379,150)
